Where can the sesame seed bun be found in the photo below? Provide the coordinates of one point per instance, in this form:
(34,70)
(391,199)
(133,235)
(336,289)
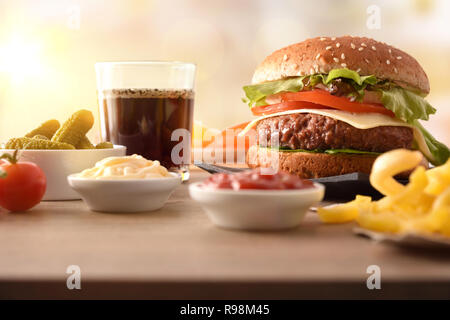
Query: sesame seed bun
(364,55)
(315,165)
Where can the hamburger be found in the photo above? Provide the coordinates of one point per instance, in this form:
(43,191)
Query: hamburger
(330,105)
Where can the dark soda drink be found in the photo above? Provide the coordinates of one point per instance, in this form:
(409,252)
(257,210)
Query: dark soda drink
(143,120)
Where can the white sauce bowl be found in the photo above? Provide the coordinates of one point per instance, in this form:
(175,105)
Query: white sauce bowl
(254,209)
(128,195)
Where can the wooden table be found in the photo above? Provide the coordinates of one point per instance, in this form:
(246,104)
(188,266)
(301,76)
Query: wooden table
(177,253)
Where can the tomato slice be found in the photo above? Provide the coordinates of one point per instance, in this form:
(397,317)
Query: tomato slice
(284,106)
(324,98)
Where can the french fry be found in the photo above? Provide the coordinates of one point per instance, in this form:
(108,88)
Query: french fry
(439,179)
(411,201)
(387,166)
(386,221)
(342,213)
(441,209)
(422,206)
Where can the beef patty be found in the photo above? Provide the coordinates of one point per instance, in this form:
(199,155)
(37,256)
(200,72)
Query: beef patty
(311,131)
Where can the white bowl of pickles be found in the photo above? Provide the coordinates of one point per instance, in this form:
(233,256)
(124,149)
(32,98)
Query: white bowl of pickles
(61,150)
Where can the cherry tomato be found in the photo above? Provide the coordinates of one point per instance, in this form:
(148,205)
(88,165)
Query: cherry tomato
(22,184)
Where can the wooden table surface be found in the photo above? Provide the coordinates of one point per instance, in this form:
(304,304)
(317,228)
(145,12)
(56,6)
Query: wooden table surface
(177,253)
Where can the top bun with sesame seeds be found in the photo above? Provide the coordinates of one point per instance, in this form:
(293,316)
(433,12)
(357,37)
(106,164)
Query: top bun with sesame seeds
(364,55)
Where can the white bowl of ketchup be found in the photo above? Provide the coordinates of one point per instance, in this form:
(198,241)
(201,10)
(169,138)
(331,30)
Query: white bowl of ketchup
(255,200)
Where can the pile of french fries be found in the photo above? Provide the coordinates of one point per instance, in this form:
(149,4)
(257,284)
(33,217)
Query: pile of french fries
(421,207)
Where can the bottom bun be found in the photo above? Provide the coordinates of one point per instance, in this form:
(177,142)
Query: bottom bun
(313,165)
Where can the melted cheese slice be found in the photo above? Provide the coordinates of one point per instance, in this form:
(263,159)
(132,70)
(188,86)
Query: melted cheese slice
(357,120)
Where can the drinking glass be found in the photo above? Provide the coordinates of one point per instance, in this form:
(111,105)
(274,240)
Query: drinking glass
(148,107)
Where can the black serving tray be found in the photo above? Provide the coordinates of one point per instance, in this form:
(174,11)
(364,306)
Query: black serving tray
(342,187)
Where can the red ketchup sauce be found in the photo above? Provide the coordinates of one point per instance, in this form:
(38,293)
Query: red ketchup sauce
(257,179)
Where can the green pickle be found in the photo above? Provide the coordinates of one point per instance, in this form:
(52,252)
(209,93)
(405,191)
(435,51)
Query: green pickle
(31,143)
(40,136)
(104,145)
(75,128)
(53,136)
(47,129)
(84,143)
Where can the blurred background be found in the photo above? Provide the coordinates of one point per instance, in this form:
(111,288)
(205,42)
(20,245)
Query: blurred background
(48,48)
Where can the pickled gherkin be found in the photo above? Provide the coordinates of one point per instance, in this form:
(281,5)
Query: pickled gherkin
(104,145)
(51,135)
(40,136)
(47,129)
(85,144)
(30,143)
(75,128)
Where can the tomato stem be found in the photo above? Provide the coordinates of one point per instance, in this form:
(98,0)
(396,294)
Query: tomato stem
(10,158)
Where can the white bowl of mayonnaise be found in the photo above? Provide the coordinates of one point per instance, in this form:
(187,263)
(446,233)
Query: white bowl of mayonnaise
(125,184)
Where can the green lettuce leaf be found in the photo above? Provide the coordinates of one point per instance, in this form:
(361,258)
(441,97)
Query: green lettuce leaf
(257,93)
(440,151)
(328,151)
(410,107)
(334,151)
(406,105)
(350,74)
